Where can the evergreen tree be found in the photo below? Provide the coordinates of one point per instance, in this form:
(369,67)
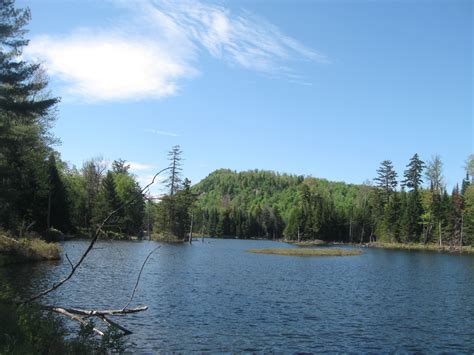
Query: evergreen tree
(58,204)
(413,213)
(174,179)
(184,200)
(392,217)
(25,116)
(456,216)
(387,179)
(107,202)
(92,175)
(133,212)
(413,174)
(465,184)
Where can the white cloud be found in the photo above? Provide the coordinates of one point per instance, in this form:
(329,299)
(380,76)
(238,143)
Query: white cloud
(109,66)
(158,48)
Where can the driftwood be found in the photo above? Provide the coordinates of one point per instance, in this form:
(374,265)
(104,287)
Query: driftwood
(78,315)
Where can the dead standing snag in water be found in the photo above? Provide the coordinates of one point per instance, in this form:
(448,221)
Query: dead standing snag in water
(78,315)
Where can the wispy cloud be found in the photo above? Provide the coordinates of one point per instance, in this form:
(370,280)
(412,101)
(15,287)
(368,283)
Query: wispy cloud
(162,133)
(159,47)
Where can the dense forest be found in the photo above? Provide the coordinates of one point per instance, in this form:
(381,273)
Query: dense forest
(265,204)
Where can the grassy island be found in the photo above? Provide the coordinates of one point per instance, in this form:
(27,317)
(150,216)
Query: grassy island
(307,252)
(307,243)
(14,251)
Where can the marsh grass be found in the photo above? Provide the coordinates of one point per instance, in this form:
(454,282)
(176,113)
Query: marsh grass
(25,250)
(307,252)
(423,247)
(308,243)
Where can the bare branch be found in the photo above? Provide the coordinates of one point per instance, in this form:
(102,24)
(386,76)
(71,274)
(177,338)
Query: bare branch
(110,322)
(70,263)
(91,244)
(138,279)
(74,317)
(105,312)
(79,314)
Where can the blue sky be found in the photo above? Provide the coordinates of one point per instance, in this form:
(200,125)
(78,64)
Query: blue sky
(321,88)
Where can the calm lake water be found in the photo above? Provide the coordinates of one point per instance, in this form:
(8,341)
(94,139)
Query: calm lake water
(214,296)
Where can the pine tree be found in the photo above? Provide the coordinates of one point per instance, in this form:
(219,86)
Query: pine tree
(107,202)
(58,206)
(456,215)
(174,179)
(413,213)
(184,200)
(133,212)
(25,115)
(392,217)
(386,180)
(465,184)
(413,174)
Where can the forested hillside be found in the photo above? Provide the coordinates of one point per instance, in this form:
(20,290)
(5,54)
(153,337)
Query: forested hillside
(265,204)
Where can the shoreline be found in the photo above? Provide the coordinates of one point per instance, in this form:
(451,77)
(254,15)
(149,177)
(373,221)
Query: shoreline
(24,250)
(421,247)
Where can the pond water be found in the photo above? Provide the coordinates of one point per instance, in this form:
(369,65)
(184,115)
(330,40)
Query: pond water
(213,296)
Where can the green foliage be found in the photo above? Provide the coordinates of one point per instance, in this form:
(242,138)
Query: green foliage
(133,213)
(27,330)
(386,179)
(58,204)
(468,215)
(413,174)
(26,112)
(264,204)
(24,330)
(24,250)
(174,212)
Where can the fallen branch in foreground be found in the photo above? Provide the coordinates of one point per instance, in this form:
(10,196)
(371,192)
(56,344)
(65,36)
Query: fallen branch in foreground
(79,315)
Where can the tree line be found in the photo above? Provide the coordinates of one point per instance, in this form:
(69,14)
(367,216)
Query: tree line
(265,204)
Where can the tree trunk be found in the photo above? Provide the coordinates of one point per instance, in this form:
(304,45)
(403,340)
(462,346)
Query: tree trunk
(191,229)
(148,227)
(350,230)
(439,230)
(299,239)
(462,230)
(48,218)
